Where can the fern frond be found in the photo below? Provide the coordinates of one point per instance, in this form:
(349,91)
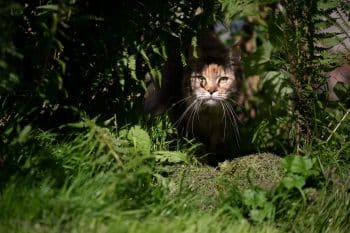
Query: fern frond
(340,29)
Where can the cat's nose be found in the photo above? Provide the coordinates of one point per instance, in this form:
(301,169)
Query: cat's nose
(211,89)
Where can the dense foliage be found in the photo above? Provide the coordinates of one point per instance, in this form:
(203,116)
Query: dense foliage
(62,60)
(63,63)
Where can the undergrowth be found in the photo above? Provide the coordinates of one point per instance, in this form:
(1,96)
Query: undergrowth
(100,180)
(62,60)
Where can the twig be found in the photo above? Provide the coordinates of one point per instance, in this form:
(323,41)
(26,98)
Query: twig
(335,129)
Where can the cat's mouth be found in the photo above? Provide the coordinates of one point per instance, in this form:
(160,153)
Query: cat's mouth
(211,102)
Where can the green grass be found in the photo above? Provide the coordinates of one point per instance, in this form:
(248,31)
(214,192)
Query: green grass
(100,181)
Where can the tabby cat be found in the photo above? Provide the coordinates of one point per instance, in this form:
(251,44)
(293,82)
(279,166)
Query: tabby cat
(201,97)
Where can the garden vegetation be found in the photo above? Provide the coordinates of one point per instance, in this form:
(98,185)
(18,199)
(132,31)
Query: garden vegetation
(77,154)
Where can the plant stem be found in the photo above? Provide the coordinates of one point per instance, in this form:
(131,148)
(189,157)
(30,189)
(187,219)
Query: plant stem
(336,128)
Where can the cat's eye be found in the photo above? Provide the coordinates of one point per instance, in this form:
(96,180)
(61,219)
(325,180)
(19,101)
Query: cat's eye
(200,78)
(223,79)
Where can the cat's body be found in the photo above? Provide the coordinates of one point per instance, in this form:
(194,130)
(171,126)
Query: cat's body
(201,97)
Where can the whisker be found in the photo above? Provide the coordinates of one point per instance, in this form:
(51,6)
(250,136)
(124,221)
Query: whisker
(197,110)
(223,116)
(234,123)
(183,115)
(234,102)
(181,101)
(190,119)
(195,115)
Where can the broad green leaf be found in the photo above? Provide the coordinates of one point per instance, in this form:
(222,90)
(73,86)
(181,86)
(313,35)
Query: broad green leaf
(171,156)
(24,134)
(254,198)
(293,181)
(299,165)
(140,140)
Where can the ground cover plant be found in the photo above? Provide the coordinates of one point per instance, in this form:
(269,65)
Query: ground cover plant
(78,155)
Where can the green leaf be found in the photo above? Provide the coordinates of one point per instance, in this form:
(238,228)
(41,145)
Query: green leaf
(299,165)
(258,61)
(171,156)
(293,181)
(51,7)
(278,82)
(130,62)
(259,131)
(194,44)
(259,215)
(23,135)
(140,140)
(238,7)
(254,198)
(3,64)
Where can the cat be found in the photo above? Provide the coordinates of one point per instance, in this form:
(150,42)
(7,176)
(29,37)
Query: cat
(201,98)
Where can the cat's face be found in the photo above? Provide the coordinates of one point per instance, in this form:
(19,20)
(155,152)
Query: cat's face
(213,84)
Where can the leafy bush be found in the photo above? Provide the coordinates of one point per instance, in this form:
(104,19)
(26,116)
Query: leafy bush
(64,61)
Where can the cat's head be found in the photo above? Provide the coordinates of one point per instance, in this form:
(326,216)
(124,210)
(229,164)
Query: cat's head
(213,83)
(214,76)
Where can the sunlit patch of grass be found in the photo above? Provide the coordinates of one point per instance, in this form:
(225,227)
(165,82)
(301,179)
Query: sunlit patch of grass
(103,181)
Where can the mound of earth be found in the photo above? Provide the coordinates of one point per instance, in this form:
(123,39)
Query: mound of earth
(261,170)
